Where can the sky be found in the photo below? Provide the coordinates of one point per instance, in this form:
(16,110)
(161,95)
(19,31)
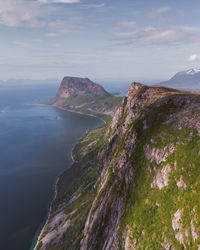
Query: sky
(100,39)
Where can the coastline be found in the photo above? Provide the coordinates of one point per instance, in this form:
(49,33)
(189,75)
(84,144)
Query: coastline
(71,110)
(37,237)
(34,244)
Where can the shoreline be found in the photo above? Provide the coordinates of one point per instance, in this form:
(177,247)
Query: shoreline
(71,110)
(35,244)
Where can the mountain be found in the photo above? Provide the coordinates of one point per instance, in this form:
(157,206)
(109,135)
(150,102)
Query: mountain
(71,86)
(84,96)
(189,79)
(134,183)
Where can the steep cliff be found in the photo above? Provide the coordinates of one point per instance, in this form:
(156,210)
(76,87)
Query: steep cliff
(136,182)
(84,96)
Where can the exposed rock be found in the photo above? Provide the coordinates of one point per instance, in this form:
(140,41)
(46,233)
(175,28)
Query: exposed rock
(180,233)
(181,183)
(158,155)
(176,221)
(162,177)
(167,246)
(129,244)
(54,229)
(194,229)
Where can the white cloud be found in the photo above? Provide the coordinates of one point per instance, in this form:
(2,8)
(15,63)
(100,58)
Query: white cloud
(95,6)
(158,12)
(16,13)
(23,13)
(193,57)
(52,34)
(22,44)
(59,1)
(130,32)
(128,25)
(152,34)
(61,27)
(191,29)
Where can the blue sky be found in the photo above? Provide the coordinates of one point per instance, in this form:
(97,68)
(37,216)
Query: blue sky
(111,39)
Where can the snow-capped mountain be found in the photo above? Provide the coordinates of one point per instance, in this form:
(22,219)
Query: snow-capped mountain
(188,72)
(188,79)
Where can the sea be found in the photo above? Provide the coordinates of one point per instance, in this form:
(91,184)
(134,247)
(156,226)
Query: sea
(35,148)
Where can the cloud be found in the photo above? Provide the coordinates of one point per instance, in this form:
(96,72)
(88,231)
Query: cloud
(158,12)
(93,6)
(130,32)
(15,13)
(52,34)
(128,25)
(23,13)
(192,29)
(62,27)
(23,44)
(59,1)
(193,57)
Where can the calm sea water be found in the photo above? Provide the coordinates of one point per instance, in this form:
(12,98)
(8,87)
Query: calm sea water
(35,146)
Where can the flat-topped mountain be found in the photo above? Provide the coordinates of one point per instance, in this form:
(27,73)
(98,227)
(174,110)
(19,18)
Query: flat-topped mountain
(135,183)
(84,96)
(71,86)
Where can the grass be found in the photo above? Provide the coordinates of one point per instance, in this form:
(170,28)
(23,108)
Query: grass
(152,224)
(83,176)
(92,105)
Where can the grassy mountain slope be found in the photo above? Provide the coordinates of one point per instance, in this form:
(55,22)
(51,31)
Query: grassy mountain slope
(135,183)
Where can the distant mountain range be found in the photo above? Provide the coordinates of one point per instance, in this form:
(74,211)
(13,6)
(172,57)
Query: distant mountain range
(28,81)
(188,79)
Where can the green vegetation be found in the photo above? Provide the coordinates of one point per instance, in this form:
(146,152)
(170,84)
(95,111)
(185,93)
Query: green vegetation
(83,176)
(100,106)
(149,211)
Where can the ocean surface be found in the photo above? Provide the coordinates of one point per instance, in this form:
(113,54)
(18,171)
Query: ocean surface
(35,147)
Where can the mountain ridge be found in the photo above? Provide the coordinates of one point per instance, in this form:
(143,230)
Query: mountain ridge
(135,182)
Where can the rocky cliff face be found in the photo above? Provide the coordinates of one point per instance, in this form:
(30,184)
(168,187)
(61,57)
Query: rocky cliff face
(150,170)
(143,174)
